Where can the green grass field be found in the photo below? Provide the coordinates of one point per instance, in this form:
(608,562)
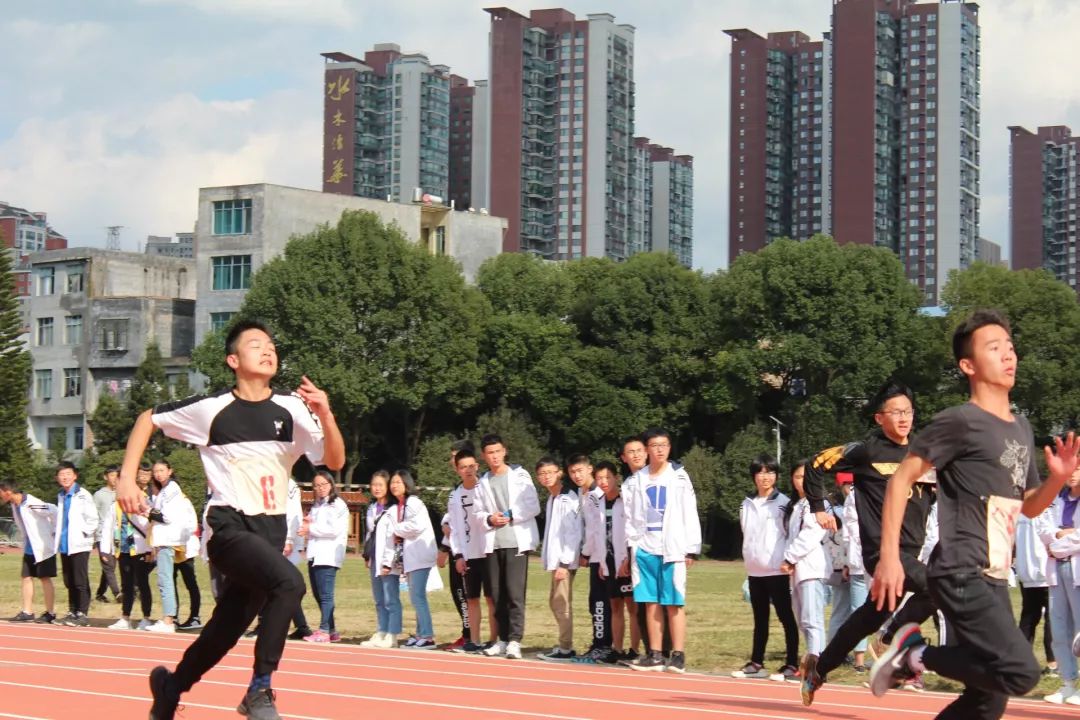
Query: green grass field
(718,633)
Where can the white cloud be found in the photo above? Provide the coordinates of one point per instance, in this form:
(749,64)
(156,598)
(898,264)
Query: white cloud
(315,12)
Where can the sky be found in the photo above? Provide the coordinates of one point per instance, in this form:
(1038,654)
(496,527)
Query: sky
(115,112)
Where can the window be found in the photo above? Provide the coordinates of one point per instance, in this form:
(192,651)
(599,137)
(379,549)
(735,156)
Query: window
(232,272)
(78,445)
(113,335)
(232,217)
(45,332)
(46,281)
(73,330)
(74,280)
(57,437)
(72,382)
(43,384)
(219,320)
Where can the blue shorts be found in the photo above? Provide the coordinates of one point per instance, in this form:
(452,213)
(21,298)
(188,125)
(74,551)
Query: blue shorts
(656,581)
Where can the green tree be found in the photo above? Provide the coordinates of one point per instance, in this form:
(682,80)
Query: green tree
(149,386)
(524,439)
(734,483)
(111,423)
(15,363)
(208,358)
(389,331)
(1045,320)
(188,470)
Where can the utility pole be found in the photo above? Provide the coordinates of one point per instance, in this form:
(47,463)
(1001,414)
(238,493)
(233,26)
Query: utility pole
(777,431)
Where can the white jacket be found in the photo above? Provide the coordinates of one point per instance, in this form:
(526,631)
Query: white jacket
(382,524)
(82,523)
(37,522)
(851,534)
(1031,553)
(413,525)
(762,521)
(468,532)
(294,516)
(804,549)
(524,505)
(108,532)
(179,519)
(1046,526)
(562,531)
(681,528)
(596,539)
(328,533)
(931,540)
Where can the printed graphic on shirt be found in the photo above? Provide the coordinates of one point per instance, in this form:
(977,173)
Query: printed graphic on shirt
(1015,458)
(657,505)
(886,469)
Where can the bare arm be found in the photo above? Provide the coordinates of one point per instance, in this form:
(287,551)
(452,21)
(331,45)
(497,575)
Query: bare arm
(319,404)
(888,585)
(127,492)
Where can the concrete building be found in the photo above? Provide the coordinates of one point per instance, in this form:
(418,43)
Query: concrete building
(561,131)
(1043,173)
(26,232)
(91,315)
(469,107)
(896,97)
(241,227)
(386,125)
(182,246)
(989,252)
(661,201)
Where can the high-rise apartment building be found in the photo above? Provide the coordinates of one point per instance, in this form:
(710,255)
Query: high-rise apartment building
(26,232)
(386,125)
(561,132)
(894,88)
(469,108)
(661,201)
(1043,174)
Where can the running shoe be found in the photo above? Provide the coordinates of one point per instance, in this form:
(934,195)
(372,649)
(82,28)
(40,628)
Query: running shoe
(653,662)
(101,599)
(424,644)
(811,680)
(513,650)
(628,657)
(892,667)
(259,705)
(677,663)
(496,650)
(164,693)
(46,618)
(1059,697)
(77,620)
(192,623)
(1050,671)
(557,654)
(471,648)
(162,627)
(861,669)
(335,636)
(915,684)
(23,617)
(66,620)
(599,656)
(456,645)
(786,673)
(319,636)
(144,624)
(120,624)
(751,670)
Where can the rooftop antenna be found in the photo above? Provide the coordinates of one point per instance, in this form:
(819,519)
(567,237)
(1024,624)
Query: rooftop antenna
(112,239)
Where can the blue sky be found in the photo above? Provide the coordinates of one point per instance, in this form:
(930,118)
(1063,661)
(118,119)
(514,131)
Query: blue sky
(115,112)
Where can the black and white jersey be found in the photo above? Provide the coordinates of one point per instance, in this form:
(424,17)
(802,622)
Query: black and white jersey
(247,448)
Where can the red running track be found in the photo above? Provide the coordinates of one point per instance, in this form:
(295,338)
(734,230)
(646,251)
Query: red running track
(60,673)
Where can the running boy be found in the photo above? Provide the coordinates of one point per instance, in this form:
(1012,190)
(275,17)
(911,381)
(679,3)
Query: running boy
(987,476)
(249,437)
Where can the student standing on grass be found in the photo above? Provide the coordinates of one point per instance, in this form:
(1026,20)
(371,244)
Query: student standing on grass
(506,501)
(664,534)
(858,589)
(986,473)
(249,437)
(559,553)
(415,537)
(634,457)
(326,529)
(761,517)
(1032,565)
(37,523)
(172,523)
(468,539)
(807,563)
(385,588)
(124,536)
(76,527)
(457,580)
(1057,531)
(104,500)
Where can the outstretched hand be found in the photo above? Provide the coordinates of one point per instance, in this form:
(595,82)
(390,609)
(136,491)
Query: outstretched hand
(313,397)
(1061,460)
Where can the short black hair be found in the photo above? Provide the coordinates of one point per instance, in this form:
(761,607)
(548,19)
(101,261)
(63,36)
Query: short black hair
(578,459)
(763,462)
(462,445)
(801,462)
(464,454)
(145,467)
(111,469)
(239,328)
(9,486)
(631,438)
(652,433)
(491,439)
(961,339)
(606,465)
(546,460)
(891,389)
(67,465)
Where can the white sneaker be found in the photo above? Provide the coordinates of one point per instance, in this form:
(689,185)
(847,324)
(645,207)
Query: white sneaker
(374,641)
(1073,699)
(513,650)
(1064,694)
(121,624)
(144,624)
(162,627)
(499,649)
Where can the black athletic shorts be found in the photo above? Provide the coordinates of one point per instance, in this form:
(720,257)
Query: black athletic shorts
(476,579)
(618,587)
(44,569)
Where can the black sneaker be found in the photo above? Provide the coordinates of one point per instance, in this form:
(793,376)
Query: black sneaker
(892,667)
(598,656)
(557,654)
(66,619)
(811,680)
(251,634)
(627,657)
(46,618)
(471,647)
(23,617)
(192,623)
(259,705)
(101,599)
(300,633)
(786,673)
(77,620)
(164,693)
(677,663)
(652,662)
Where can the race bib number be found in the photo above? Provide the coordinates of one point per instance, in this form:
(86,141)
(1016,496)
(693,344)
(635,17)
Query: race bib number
(262,484)
(1001,516)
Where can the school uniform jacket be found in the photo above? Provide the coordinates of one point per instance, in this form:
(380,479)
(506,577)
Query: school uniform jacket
(109,530)
(294,517)
(328,532)
(179,519)
(595,547)
(762,523)
(37,522)
(562,531)
(1031,554)
(383,527)
(681,528)
(524,504)
(468,533)
(804,549)
(419,550)
(82,522)
(1068,547)
(851,534)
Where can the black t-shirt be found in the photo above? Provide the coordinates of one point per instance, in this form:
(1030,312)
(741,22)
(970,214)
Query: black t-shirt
(609,507)
(984,467)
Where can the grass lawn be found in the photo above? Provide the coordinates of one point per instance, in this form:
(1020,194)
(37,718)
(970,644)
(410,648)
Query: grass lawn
(719,623)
